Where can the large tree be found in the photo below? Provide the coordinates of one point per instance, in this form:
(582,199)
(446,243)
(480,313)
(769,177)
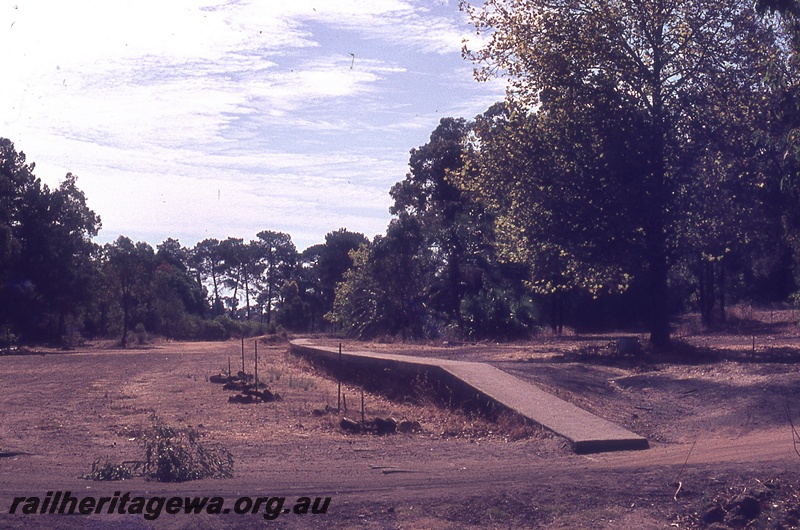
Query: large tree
(277,257)
(320,268)
(178,292)
(242,269)
(207,261)
(45,249)
(334,260)
(670,61)
(382,292)
(129,270)
(780,136)
(569,208)
(456,246)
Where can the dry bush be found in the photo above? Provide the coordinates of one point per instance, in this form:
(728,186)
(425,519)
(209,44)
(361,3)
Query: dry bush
(108,471)
(171,455)
(176,455)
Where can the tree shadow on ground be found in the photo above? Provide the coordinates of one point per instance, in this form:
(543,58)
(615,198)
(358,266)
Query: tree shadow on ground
(746,327)
(680,353)
(752,397)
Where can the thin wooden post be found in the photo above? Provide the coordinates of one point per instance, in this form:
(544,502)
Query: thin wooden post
(363,420)
(339,378)
(256,368)
(244,374)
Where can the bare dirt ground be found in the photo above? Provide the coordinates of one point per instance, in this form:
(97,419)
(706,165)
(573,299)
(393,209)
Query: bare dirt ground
(714,410)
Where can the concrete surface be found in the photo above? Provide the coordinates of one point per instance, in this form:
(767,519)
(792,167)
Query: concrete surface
(586,432)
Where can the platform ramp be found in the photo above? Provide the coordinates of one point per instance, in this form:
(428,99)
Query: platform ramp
(585,432)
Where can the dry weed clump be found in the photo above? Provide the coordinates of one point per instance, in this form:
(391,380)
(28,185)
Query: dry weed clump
(176,455)
(108,471)
(171,455)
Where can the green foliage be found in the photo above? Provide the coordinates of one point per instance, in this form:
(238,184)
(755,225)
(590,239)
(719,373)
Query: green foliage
(253,329)
(129,270)
(157,290)
(108,471)
(320,268)
(631,112)
(171,455)
(141,333)
(212,330)
(566,197)
(278,256)
(177,455)
(334,260)
(292,310)
(224,327)
(500,313)
(452,228)
(45,249)
(356,306)
(7,338)
(383,293)
(207,261)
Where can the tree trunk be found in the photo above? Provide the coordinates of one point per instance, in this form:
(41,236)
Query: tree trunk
(656,246)
(722,292)
(659,324)
(701,289)
(215,310)
(269,298)
(706,292)
(247,293)
(62,326)
(557,313)
(125,317)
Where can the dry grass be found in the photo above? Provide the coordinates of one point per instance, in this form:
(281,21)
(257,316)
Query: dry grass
(310,397)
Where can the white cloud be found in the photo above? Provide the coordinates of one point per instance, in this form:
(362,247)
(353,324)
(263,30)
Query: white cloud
(164,109)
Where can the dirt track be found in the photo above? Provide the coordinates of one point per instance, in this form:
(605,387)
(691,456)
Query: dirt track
(61,411)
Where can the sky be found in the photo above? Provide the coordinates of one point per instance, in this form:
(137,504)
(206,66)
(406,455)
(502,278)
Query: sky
(222,118)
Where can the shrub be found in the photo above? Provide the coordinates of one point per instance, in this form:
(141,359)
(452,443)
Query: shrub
(171,455)
(212,330)
(108,471)
(232,327)
(185,327)
(250,328)
(141,333)
(176,455)
(7,338)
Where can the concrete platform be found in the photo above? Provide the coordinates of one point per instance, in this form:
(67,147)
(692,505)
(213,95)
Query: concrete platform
(586,432)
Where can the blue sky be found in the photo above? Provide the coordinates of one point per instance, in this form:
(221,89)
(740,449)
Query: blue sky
(211,118)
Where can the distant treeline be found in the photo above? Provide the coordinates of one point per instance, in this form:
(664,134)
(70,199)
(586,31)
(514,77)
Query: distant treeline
(442,269)
(645,163)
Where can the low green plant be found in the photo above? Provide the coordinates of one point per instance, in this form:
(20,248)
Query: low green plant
(108,471)
(8,339)
(176,455)
(141,333)
(171,455)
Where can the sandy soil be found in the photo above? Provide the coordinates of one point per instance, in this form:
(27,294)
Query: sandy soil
(715,412)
